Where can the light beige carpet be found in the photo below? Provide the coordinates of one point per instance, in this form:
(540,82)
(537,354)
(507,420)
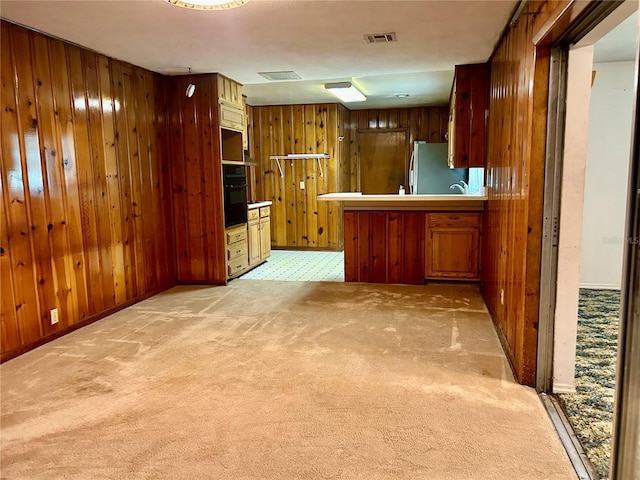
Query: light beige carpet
(279,380)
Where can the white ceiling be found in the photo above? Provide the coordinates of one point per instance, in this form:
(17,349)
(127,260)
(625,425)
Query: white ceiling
(321,40)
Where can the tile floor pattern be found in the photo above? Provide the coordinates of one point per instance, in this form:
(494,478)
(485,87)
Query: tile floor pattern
(300,266)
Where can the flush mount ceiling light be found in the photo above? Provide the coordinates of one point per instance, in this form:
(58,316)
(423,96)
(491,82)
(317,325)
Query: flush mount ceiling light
(346,92)
(208,4)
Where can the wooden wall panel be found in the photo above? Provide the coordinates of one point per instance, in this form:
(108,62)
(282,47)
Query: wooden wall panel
(196,170)
(298,220)
(421,123)
(515,171)
(384,247)
(82,157)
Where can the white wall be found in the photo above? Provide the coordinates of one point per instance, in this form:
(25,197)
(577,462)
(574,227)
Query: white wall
(571,201)
(608,152)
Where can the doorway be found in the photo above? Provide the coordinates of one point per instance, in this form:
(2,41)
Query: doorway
(587,387)
(382,161)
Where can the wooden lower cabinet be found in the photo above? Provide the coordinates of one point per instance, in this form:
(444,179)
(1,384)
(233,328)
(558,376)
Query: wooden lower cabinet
(384,247)
(265,236)
(259,235)
(453,246)
(410,247)
(236,240)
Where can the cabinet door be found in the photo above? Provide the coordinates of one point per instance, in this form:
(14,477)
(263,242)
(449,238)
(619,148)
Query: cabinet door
(253,239)
(265,237)
(452,252)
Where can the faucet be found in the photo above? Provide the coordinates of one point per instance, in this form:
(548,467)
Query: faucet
(465,186)
(454,186)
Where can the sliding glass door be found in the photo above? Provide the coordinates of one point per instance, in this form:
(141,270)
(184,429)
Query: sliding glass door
(626,442)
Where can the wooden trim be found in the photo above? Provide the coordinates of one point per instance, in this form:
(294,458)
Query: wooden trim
(559,21)
(6,356)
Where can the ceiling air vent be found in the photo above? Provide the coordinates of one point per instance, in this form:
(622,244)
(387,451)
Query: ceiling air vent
(380,37)
(280,76)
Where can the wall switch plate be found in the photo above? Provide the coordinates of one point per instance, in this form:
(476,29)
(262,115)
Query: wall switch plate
(54,316)
(301,184)
(502,296)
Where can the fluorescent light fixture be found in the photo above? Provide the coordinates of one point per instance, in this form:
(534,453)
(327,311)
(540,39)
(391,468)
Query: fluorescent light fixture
(208,4)
(346,92)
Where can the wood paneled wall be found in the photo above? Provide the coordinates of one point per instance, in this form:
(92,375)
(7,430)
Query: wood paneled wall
(86,213)
(196,172)
(422,123)
(298,220)
(515,176)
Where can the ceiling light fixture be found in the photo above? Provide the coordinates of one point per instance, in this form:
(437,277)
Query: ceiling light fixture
(346,92)
(208,4)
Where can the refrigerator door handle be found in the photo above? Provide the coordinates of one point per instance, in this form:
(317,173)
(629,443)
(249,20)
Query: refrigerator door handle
(412,179)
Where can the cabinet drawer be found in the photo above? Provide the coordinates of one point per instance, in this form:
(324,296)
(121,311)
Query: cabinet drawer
(253,214)
(265,212)
(235,236)
(453,218)
(236,250)
(236,266)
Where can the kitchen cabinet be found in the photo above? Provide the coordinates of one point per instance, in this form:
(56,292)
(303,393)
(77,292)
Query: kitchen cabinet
(265,233)
(237,256)
(259,235)
(253,237)
(384,247)
(468,111)
(453,246)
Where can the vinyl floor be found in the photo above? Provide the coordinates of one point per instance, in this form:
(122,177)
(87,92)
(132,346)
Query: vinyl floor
(300,266)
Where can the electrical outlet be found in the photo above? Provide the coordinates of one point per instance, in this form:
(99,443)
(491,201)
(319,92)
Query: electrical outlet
(301,184)
(502,296)
(54,316)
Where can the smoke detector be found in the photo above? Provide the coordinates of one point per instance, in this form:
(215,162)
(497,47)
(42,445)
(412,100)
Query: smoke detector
(380,37)
(280,76)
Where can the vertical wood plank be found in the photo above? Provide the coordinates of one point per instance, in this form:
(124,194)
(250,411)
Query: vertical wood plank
(364,246)
(123,154)
(113,214)
(395,248)
(351,238)
(301,175)
(53,200)
(378,241)
(35,195)
(85,183)
(97,168)
(312,173)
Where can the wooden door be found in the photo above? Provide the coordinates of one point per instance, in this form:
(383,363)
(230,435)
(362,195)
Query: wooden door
(452,252)
(382,161)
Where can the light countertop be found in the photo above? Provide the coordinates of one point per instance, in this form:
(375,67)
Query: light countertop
(265,203)
(358,201)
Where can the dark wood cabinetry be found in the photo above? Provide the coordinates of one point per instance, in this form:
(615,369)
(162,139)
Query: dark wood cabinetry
(384,247)
(468,110)
(453,246)
(411,246)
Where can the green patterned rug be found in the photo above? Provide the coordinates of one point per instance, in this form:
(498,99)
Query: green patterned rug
(590,409)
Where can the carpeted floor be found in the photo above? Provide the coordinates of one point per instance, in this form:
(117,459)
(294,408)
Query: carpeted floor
(590,409)
(279,380)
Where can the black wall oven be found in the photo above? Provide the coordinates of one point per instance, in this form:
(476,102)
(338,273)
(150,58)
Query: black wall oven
(234,179)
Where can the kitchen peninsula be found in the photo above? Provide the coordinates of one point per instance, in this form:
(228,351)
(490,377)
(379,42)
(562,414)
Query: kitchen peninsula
(410,238)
